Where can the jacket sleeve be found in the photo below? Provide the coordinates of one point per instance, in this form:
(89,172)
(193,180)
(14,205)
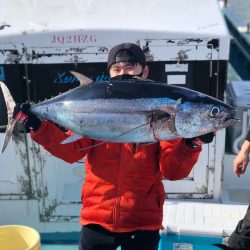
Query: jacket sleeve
(177,159)
(50,137)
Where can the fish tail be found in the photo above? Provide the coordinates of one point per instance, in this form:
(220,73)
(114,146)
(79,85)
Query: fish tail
(10,104)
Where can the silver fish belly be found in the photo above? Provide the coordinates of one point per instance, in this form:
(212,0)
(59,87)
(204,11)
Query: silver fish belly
(116,120)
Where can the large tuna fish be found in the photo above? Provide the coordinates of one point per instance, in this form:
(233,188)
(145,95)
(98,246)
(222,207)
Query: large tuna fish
(134,110)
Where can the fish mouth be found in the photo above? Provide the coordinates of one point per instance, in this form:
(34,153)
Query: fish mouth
(229,122)
(230,118)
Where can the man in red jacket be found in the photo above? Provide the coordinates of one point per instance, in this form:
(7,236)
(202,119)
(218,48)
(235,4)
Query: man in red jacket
(123,194)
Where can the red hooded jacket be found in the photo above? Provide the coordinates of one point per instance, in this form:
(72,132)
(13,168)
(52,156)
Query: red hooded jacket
(123,188)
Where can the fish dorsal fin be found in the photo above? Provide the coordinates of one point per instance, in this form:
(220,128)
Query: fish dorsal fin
(84,80)
(10,104)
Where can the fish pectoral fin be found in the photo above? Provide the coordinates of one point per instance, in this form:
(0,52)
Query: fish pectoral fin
(160,115)
(72,138)
(84,80)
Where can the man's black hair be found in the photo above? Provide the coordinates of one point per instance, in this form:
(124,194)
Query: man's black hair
(123,52)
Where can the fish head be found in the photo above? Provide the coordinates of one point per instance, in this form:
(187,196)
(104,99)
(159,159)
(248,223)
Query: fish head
(203,116)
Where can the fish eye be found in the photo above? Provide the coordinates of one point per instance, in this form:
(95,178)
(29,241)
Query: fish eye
(214,112)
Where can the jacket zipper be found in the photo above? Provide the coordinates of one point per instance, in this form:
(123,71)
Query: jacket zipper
(116,212)
(118,198)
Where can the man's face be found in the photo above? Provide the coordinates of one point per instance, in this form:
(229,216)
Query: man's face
(129,68)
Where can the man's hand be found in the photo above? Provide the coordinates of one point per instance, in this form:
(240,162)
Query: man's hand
(199,140)
(242,159)
(22,114)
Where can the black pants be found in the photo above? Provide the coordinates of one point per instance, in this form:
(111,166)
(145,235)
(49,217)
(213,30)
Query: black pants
(240,238)
(95,237)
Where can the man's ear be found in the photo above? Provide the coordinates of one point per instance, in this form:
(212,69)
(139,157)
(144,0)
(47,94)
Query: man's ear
(145,72)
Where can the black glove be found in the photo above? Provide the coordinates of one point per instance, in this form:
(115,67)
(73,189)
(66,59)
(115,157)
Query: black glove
(22,114)
(199,140)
